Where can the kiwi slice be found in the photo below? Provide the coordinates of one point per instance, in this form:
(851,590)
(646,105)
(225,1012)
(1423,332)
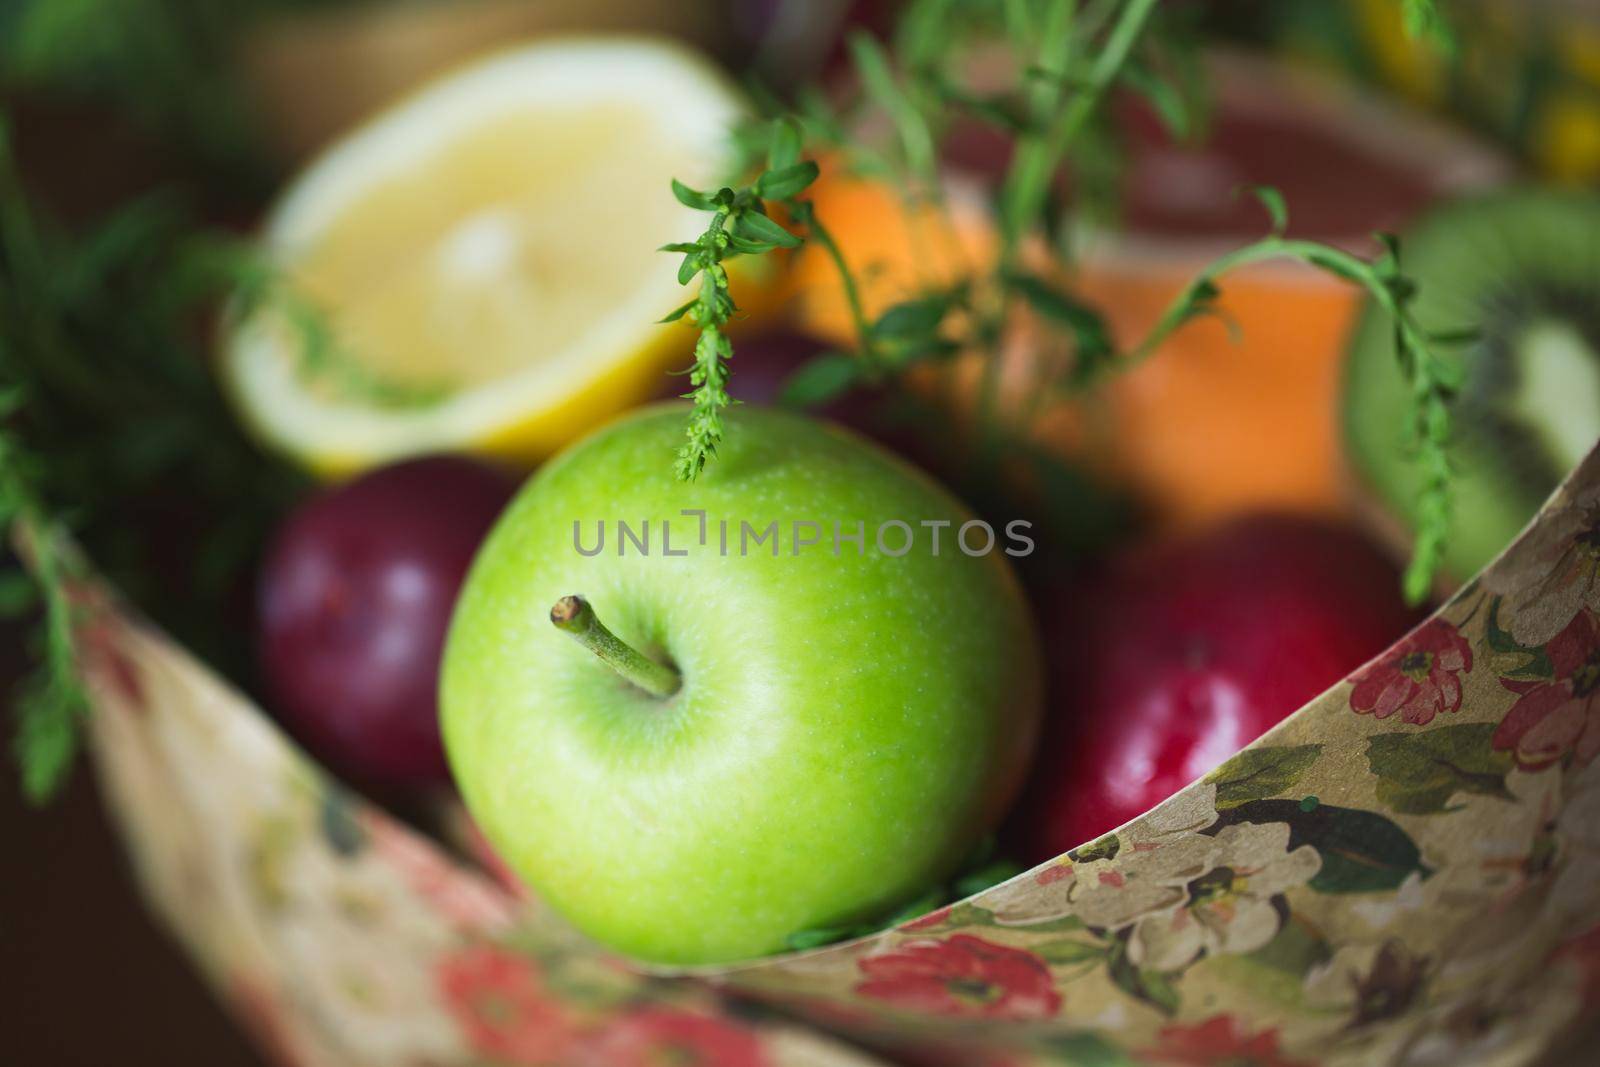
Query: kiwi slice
(1522,268)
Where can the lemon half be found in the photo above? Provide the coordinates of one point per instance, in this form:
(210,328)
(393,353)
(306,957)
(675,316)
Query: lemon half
(483,256)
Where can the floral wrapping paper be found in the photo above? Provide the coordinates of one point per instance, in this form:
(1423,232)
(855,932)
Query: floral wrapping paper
(1405,872)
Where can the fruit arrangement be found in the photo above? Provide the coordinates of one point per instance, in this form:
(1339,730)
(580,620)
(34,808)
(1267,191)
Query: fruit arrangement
(887,623)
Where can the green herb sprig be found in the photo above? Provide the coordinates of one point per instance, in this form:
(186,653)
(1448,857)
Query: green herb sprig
(916,86)
(1434,381)
(740,225)
(170,65)
(113,430)
(1068,57)
(51,705)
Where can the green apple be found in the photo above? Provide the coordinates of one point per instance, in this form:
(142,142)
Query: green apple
(783,735)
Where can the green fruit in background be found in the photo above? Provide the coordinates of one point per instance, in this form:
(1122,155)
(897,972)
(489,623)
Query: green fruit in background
(847,726)
(1522,268)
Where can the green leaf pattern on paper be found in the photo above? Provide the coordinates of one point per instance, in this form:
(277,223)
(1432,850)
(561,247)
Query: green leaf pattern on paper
(1420,773)
(1261,772)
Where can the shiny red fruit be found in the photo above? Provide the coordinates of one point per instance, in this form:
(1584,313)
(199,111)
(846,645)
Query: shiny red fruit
(1175,657)
(355,597)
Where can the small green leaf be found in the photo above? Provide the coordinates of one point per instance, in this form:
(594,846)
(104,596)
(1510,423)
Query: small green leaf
(1466,335)
(678,312)
(754,226)
(784,148)
(1005,110)
(1058,79)
(1084,1049)
(790,181)
(1295,949)
(688,269)
(685,247)
(1417,15)
(692,198)
(1362,851)
(1419,772)
(1055,304)
(1450,377)
(1423,19)
(340,827)
(1151,987)
(1068,952)
(1103,848)
(911,319)
(1064,925)
(49,713)
(1390,244)
(1334,263)
(969,915)
(748,248)
(1095,347)
(876,71)
(1272,200)
(820,379)
(1169,103)
(1261,772)
(1523,661)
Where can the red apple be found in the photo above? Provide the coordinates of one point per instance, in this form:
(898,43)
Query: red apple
(1176,656)
(354,600)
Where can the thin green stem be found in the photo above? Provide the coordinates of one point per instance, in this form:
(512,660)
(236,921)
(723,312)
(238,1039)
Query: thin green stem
(847,281)
(1352,268)
(1430,380)
(1054,57)
(1028,182)
(574,616)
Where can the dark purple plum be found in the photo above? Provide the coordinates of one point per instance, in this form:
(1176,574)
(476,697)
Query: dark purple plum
(355,597)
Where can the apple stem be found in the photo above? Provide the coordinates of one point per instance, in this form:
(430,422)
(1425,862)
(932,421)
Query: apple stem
(574,615)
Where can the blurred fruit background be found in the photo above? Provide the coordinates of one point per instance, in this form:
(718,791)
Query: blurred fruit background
(1329,102)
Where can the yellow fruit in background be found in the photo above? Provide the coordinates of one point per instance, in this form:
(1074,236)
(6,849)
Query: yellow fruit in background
(484,258)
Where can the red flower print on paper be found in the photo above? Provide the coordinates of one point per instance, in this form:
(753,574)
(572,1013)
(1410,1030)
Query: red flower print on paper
(262,1014)
(1419,678)
(1056,872)
(503,1008)
(658,1037)
(467,902)
(1583,952)
(1560,717)
(963,975)
(1218,1042)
